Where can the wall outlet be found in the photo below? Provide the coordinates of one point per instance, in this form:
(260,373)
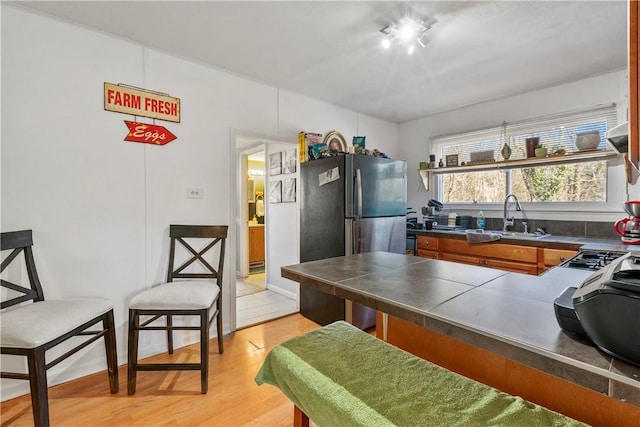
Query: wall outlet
(195,193)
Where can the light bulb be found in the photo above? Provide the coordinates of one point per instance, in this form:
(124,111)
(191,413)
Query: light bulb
(410,49)
(407,30)
(386,43)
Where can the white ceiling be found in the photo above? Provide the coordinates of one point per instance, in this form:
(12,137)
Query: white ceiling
(330,50)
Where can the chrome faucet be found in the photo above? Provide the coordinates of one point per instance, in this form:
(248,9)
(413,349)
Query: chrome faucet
(505,221)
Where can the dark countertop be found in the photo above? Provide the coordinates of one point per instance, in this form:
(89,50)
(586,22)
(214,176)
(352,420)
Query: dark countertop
(510,314)
(551,241)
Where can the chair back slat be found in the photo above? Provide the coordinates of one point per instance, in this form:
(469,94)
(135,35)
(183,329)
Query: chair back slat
(20,242)
(16,239)
(216,233)
(203,231)
(195,276)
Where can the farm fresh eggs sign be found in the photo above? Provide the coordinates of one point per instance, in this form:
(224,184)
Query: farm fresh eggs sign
(149,134)
(139,102)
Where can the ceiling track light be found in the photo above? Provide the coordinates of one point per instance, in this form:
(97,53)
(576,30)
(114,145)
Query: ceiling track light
(406,33)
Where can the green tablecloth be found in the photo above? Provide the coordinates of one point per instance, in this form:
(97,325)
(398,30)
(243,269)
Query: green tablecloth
(341,376)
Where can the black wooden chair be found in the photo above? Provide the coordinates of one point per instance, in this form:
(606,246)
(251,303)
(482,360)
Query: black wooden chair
(32,329)
(196,293)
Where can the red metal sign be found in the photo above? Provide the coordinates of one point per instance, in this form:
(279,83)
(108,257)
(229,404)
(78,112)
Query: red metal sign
(149,134)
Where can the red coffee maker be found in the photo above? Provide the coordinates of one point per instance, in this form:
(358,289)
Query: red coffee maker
(629,228)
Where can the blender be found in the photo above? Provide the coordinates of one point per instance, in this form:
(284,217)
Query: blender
(629,228)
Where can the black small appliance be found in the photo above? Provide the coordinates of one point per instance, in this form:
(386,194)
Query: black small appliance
(566,313)
(607,308)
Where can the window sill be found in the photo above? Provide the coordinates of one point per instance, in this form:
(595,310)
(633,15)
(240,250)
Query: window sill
(577,157)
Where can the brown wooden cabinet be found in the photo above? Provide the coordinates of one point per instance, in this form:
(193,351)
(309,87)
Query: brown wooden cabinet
(502,256)
(517,258)
(507,375)
(256,245)
(428,247)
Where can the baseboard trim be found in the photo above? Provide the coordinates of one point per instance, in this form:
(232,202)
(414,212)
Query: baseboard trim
(283,292)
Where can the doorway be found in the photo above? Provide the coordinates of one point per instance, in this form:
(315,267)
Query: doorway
(258,297)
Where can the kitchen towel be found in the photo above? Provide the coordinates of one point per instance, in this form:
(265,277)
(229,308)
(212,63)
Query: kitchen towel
(474,236)
(341,376)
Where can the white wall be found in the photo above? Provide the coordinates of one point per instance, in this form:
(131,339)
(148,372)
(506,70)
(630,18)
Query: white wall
(100,207)
(66,173)
(282,230)
(604,89)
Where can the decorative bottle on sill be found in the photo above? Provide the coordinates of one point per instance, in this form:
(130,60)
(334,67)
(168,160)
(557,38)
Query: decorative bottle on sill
(506,151)
(481,222)
(440,164)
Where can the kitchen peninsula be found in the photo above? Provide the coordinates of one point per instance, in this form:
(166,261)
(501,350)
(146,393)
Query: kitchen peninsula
(500,326)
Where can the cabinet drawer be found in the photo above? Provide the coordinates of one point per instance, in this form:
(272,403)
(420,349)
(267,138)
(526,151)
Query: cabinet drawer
(491,250)
(428,254)
(517,267)
(428,243)
(463,259)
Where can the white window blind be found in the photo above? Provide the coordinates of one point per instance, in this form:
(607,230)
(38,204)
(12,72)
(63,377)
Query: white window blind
(465,144)
(555,132)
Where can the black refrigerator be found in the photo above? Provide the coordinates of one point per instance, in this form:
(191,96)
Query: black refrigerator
(349,204)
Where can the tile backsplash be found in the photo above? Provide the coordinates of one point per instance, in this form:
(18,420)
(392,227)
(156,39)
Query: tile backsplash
(601,230)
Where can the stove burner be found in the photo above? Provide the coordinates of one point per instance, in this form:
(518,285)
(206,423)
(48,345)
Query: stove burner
(592,260)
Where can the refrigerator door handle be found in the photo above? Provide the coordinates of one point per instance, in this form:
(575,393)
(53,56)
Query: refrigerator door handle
(359,192)
(357,242)
(357,247)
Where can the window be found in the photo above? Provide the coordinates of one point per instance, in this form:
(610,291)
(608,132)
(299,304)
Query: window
(579,182)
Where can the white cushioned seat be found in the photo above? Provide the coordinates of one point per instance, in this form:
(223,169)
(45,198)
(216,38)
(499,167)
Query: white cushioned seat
(193,290)
(180,295)
(32,325)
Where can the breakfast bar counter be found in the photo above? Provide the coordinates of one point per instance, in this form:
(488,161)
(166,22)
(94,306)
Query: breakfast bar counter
(508,315)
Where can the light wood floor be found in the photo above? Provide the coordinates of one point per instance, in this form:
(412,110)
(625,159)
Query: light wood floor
(173,398)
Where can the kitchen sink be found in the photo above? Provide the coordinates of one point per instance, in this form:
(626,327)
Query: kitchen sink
(509,234)
(520,235)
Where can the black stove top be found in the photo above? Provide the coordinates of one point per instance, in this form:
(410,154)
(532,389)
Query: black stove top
(592,260)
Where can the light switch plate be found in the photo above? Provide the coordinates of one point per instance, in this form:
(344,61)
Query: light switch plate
(195,193)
